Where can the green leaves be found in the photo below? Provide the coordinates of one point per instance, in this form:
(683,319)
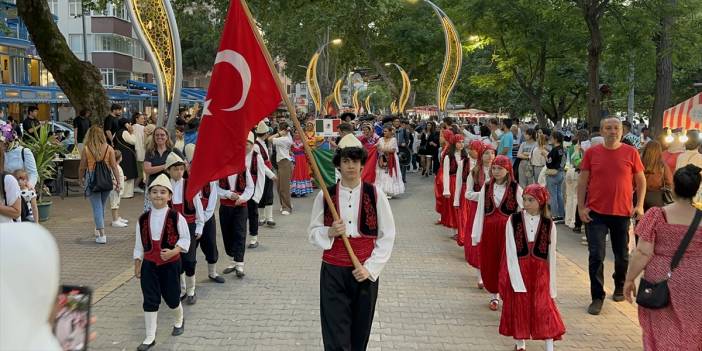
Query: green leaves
(45,149)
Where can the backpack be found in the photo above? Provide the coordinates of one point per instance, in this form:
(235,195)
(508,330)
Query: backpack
(102,176)
(24,207)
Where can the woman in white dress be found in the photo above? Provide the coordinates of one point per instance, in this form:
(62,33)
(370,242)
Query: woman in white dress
(388,176)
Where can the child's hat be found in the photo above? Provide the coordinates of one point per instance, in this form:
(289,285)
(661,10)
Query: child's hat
(262,128)
(251,138)
(173,160)
(349,140)
(162,180)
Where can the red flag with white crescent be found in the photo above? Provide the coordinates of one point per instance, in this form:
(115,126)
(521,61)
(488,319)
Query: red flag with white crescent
(242,92)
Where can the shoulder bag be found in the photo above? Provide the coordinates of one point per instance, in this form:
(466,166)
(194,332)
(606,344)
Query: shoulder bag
(666,192)
(657,295)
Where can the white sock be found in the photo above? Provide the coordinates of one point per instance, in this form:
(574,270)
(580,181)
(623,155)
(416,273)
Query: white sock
(549,344)
(268,213)
(150,319)
(239,264)
(212,270)
(231,264)
(190,285)
(480,277)
(521,344)
(254,239)
(179,316)
(182,284)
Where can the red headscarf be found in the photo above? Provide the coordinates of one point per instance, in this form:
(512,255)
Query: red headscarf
(478,146)
(457,138)
(504,162)
(479,167)
(448,136)
(539,192)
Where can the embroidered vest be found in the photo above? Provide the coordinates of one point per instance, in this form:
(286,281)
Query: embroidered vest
(187,209)
(239,188)
(169,237)
(542,241)
(254,167)
(453,166)
(367,226)
(205,195)
(264,153)
(509,203)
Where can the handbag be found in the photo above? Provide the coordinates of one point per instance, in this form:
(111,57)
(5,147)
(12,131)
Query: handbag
(657,295)
(102,176)
(666,192)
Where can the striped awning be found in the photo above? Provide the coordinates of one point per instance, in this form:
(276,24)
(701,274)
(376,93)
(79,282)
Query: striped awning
(686,115)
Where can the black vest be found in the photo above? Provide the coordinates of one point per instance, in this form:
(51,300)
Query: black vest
(368,213)
(541,242)
(240,185)
(188,207)
(509,200)
(169,236)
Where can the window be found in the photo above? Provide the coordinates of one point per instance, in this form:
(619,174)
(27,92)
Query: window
(112,10)
(53,6)
(74,8)
(108,76)
(113,42)
(138,50)
(76,42)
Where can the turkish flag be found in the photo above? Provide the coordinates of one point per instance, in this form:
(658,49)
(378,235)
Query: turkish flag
(242,92)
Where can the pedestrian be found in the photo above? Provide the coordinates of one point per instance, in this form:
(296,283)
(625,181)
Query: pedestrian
(259,174)
(81,123)
(526,170)
(691,155)
(29,197)
(388,175)
(234,192)
(139,133)
(629,136)
(368,138)
(659,178)
(403,139)
(124,142)
(16,156)
(538,154)
(528,279)
(282,141)
(605,197)
(31,123)
(582,143)
(444,208)
(162,235)
(456,166)
(430,141)
(265,205)
(675,326)
(110,122)
(97,151)
(10,192)
(116,194)
(506,142)
(478,175)
(415,149)
(555,175)
(348,295)
(300,180)
(500,197)
(158,147)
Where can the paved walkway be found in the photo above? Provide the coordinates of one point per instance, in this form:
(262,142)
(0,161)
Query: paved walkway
(427,298)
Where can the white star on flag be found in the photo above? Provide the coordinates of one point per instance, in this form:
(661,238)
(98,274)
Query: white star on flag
(206,110)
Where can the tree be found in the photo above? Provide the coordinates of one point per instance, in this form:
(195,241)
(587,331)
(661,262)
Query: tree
(593,10)
(79,80)
(664,66)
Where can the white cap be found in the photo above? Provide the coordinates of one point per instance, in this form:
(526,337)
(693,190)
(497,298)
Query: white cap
(262,128)
(162,180)
(251,138)
(189,151)
(173,160)
(349,141)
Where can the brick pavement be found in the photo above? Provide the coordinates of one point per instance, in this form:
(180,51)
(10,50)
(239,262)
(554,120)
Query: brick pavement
(427,298)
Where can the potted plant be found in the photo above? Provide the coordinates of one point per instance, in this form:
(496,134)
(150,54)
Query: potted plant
(45,148)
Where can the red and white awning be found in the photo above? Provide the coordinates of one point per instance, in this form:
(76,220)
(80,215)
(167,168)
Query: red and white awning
(686,115)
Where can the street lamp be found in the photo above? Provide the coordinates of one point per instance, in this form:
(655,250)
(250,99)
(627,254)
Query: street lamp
(311,76)
(406,87)
(452,58)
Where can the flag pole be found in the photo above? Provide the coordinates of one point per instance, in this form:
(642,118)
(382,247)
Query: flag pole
(296,122)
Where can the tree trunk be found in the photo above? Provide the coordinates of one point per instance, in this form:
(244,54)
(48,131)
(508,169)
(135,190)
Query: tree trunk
(592,11)
(664,70)
(79,80)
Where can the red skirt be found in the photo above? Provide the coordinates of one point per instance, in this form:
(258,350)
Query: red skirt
(492,249)
(438,192)
(301,172)
(461,218)
(533,314)
(472,253)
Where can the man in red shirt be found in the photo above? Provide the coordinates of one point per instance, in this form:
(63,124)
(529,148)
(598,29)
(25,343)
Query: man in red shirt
(605,198)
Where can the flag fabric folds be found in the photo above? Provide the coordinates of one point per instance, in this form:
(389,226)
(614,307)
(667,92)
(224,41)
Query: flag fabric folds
(242,91)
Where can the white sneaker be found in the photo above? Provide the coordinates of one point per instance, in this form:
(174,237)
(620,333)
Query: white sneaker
(120,219)
(101,239)
(118,224)
(138,190)
(285,213)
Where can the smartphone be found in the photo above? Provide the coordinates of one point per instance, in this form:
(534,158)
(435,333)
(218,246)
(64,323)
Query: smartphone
(72,322)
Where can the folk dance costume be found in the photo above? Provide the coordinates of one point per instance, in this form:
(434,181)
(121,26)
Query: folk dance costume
(445,208)
(388,176)
(233,214)
(496,202)
(260,173)
(157,229)
(346,305)
(300,181)
(528,280)
(265,205)
(455,170)
(473,185)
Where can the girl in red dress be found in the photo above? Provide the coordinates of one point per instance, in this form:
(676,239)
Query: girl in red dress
(300,181)
(528,277)
(455,169)
(485,153)
(500,197)
(445,208)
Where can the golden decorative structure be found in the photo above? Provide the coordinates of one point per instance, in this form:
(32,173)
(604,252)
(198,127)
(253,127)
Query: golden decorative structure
(356,103)
(393,107)
(312,85)
(337,92)
(367,103)
(452,61)
(406,87)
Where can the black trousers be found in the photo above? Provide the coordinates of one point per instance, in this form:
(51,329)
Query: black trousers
(596,231)
(190,258)
(578,221)
(253,217)
(208,241)
(160,282)
(233,224)
(346,307)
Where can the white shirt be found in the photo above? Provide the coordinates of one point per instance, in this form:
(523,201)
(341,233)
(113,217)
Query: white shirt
(248,191)
(260,172)
(156,222)
(282,147)
(459,177)
(139,142)
(531,225)
(498,193)
(349,201)
(203,215)
(11,195)
(473,195)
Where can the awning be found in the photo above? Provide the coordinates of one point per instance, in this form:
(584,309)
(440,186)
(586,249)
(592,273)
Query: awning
(686,115)
(186,94)
(10,93)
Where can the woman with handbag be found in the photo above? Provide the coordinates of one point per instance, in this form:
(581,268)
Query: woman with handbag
(670,254)
(97,165)
(659,178)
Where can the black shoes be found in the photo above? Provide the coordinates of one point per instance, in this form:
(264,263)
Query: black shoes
(144,347)
(190,300)
(217,279)
(578,229)
(270,223)
(179,331)
(595,307)
(618,295)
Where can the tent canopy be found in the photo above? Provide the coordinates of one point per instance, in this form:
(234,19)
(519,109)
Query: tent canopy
(686,115)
